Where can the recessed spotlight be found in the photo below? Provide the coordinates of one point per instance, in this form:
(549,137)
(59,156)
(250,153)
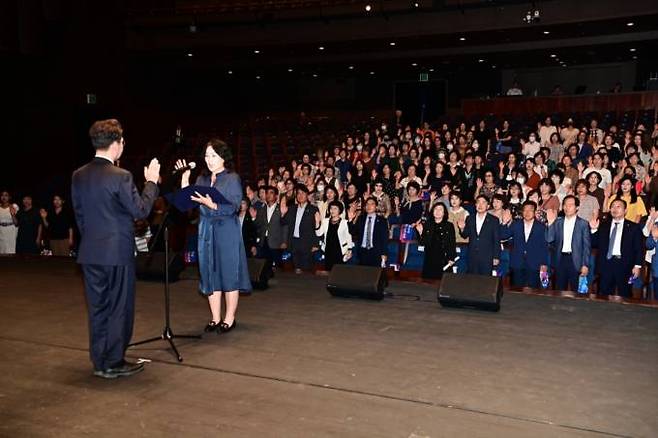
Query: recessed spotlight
(493,66)
(633,50)
(257,77)
(431,69)
(315,75)
(290,70)
(256,51)
(230,72)
(391,43)
(351,67)
(414,64)
(368,8)
(480,60)
(372,72)
(416,5)
(190,55)
(630,23)
(634,57)
(462,39)
(553,56)
(546,32)
(321,48)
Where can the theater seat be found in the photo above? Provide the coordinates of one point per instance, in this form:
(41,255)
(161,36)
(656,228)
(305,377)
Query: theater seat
(414,258)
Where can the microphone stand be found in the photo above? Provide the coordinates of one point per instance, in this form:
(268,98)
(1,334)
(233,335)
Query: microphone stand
(167,334)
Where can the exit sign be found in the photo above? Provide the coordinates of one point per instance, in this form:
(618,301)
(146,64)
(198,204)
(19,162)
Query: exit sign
(424,77)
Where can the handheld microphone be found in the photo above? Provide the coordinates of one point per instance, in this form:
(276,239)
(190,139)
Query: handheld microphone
(191,165)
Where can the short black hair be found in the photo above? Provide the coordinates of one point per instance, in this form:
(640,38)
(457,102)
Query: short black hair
(336,203)
(105,132)
(533,204)
(575,199)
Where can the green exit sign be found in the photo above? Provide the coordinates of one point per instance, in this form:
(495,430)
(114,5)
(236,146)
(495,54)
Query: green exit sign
(424,77)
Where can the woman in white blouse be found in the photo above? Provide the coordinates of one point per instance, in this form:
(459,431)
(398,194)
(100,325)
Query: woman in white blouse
(336,240)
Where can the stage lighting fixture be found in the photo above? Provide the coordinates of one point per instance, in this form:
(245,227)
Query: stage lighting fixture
(368,8)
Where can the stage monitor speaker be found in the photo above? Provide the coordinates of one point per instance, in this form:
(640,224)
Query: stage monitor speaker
(258,273)
(352,281)
(471,290)
(150,266)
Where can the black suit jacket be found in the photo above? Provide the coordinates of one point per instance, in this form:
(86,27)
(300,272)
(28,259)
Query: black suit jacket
(248,233)
(106,204)
(632,248)
(380,234)
(307,236)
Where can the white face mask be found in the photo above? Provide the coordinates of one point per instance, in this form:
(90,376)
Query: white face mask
(359,147)
(520,180)
(320,188)
(449,146)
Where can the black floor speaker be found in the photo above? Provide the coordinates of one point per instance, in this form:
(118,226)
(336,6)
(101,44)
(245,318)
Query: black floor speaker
(470,290)
(150,266)
(352,281)
(258,273)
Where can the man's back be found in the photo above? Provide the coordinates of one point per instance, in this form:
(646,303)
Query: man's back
(106,203)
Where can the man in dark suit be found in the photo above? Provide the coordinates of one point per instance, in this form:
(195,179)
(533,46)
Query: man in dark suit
(272,235)
(571,240)
(370,236)
(621,251)
(302,221)
(481,229)
(529,254)
(106,204)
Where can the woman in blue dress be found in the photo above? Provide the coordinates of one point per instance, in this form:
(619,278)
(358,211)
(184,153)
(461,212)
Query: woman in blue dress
(222,259)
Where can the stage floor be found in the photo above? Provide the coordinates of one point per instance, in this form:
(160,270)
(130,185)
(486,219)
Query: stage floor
(301,363)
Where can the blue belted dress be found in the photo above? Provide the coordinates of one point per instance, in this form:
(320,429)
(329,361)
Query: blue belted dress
(222,257)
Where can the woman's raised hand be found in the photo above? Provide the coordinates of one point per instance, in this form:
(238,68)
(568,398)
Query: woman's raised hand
(185,177)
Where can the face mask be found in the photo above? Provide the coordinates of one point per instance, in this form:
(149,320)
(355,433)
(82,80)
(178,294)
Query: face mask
(520,180)
(449,146)
(359,147)
(320,188)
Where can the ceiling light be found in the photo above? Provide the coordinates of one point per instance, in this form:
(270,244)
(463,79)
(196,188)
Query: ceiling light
(553,56)
(315,75)
(230,72)
(416,5)
(431,69)
(257,77)
(190,55)
(368,8)
(372,72)
(480,60)
(630,23)
(391,44)
(462,39)
(351,67)
(414,64)
(632,50)
(546,32)
(256,51)
(321,48)
(290,70)
(634,57)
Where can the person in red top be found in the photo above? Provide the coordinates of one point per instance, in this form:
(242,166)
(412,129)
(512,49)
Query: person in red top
(533,177)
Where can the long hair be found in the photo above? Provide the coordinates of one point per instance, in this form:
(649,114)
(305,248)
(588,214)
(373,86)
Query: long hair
(633,192)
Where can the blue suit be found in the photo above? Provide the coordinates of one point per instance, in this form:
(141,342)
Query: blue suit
(585,152)
(615,272)
(106,204)
(526,256)
(568,265)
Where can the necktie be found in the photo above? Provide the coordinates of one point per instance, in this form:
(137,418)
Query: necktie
(369,233)
(613,235)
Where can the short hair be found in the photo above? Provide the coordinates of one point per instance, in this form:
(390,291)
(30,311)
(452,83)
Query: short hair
(456,193)
(302,188)
(336,203)
(220,149)
(557,172)
(482,197)
(371,198)
(105,132)
(413,184)
(595,173)
(549,183)
(575,200)
(532,204)
(272,188)
(619,200)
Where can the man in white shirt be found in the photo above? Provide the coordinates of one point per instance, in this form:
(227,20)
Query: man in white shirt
(272,235)
(571,240)
(621,251)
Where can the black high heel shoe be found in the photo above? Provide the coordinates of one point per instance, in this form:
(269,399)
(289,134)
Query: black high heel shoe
(212,326)
(225,328)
